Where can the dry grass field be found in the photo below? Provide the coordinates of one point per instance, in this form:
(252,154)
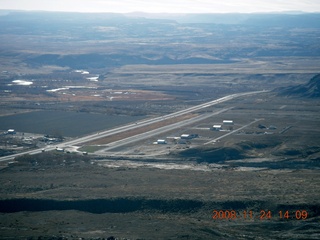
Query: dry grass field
(256,179)
(174,195)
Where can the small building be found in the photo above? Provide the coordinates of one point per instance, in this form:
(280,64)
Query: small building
(161,141)
(228,122)
(216,127)
(59,149)
(185,136)
(189,136)
(11,131)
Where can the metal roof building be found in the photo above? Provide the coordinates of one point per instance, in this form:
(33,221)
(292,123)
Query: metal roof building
(228,122)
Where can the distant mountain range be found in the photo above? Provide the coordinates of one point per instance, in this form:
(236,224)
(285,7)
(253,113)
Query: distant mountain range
(309,90)
(108,40)
(284,19)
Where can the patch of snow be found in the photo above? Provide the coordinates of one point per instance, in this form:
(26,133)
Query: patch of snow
(22,82)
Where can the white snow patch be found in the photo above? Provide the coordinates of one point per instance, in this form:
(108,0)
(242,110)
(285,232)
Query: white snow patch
(22,82)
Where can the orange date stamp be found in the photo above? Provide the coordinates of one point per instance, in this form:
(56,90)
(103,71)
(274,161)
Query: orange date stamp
(261,215)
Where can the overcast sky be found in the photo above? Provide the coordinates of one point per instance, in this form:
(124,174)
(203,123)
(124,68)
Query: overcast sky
(164,6)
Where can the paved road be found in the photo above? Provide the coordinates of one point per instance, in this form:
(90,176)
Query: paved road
(232,132)
(131,126)
(158,131)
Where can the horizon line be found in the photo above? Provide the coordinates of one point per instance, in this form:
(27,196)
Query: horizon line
(168,13)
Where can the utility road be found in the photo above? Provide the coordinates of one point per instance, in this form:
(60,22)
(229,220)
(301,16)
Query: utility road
(234,131)
(131,126)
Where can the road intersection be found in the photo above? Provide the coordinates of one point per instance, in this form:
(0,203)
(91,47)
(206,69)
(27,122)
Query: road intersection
(143,123)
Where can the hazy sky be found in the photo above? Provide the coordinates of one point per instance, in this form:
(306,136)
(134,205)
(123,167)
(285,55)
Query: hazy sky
(162,6)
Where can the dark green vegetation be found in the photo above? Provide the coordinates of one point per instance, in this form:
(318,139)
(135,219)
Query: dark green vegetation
(297,157)
(64,195)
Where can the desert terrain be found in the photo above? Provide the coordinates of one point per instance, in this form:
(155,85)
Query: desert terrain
(121,127)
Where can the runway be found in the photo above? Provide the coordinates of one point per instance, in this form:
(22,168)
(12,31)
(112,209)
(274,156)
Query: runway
(140,124)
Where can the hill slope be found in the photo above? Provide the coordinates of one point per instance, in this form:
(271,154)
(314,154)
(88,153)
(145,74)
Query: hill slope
(309,90)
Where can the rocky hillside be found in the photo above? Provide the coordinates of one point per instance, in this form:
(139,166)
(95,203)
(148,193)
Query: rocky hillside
(309,90)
